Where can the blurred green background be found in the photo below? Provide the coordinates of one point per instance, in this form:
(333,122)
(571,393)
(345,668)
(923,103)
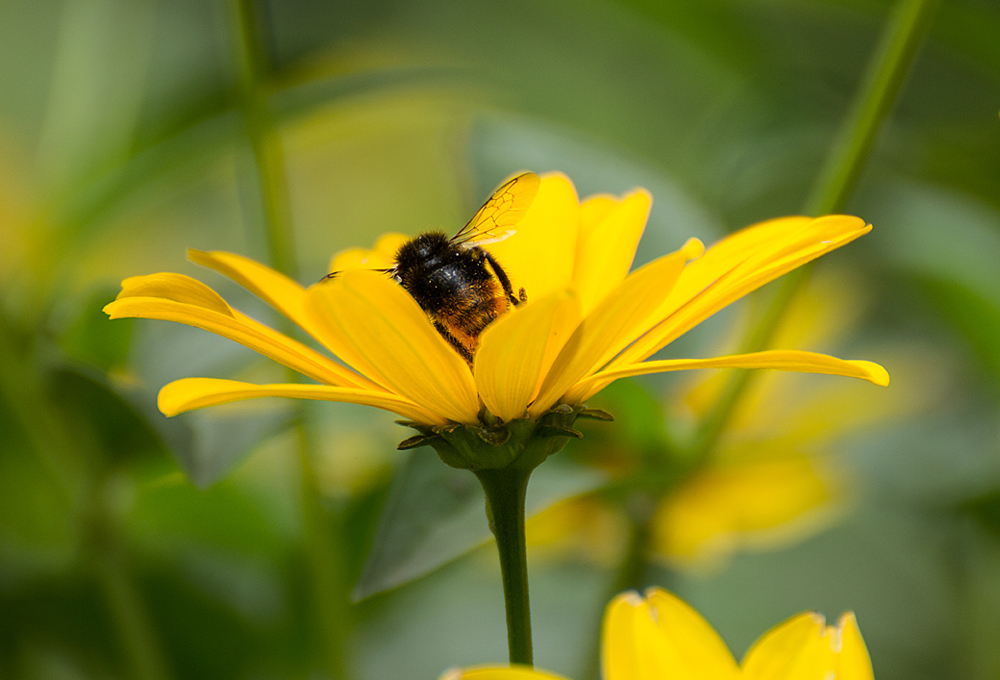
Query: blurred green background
(212,545)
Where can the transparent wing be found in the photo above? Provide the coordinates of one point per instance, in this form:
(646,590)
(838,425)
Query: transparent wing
(503,210)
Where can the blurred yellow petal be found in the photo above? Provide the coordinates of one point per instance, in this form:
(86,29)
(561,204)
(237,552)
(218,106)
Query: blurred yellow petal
(541,254)
(382,256)
(613,324)
(609,235)
(761,502)
(661,637)
(854,662)
(385,329)
(781,359)
(173,297)
(512,351)
(798,649)
(792,248)
(193,393)
(499,673)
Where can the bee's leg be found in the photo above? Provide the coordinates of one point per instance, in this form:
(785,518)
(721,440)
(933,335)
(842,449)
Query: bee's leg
(453,341)
(505,281)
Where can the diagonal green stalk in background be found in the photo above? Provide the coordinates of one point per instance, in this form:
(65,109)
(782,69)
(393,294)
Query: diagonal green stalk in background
(321,524)
(875,98)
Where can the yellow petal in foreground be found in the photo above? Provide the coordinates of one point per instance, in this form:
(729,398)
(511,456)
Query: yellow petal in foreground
(805,648)
(785,360)
(512,352)
(385,327)
(790,249)
(660,636)
(173,297)
(497,673)
(192,393)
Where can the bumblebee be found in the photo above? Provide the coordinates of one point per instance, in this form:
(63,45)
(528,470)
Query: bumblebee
(458,283)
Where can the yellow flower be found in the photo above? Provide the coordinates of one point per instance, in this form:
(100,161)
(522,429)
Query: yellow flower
(588,321)
(660,636)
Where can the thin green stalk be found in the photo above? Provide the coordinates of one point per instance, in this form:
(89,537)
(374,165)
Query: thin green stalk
(875,98)
(254,69)
(69,462)
(505,494)
(321,525)
(886,73)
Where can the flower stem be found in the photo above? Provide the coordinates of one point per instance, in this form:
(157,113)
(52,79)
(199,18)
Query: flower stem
(873,102)
(505,494)
(321,525)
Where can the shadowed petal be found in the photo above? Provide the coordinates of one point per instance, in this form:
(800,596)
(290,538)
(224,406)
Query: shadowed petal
(193,393)
(512,352)
(175,297)
(782,359)
(387,332)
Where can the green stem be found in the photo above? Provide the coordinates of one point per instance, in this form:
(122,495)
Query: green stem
(265,141)
(505,494)
(321,525)
(879,91)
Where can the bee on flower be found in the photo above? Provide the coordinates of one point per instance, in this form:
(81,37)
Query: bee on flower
(586,321)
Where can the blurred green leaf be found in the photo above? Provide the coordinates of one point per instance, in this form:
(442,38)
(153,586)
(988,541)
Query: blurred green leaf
(435,514)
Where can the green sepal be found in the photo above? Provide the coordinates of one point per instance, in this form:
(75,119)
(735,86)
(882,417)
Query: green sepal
(558,431)
(596,414)
(415,441)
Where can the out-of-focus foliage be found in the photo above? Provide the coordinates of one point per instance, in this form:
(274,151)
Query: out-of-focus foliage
(136,546)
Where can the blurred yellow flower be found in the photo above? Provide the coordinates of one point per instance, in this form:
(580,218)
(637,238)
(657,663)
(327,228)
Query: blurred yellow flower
(659,636)
(588,321)
(774,476)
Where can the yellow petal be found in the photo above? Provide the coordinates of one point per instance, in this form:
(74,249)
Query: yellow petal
(791,245)
(540,255)
(382,256)
(798,649)
(781,359)
(192,393)
(611,326)
(387,333)
(499,673)
(757,501)
(854,662)
(606,246)
(621,652)
(661,637)
(174,297)
(175,287)
(273,287)
(512,352)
